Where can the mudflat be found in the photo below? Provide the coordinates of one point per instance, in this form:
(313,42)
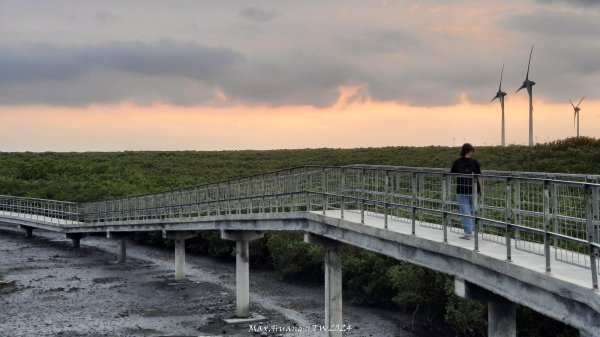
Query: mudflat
(53,289)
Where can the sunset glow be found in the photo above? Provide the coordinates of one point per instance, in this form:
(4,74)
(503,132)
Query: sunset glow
(359,124)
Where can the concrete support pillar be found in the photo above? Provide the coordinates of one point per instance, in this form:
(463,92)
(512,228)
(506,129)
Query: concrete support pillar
(242,278)
(179,240)
(242,267)
(75,238)
(502,313)
(121,250)
(179,259)
(502,318)
(121,238)
(333,283)
(28,231)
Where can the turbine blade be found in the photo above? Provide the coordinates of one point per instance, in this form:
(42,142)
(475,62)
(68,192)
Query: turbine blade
(521,88)
(501,74)
(529,63)
(573,105)
(580,101)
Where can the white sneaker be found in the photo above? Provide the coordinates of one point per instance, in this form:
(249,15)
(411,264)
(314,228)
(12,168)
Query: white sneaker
(466,237)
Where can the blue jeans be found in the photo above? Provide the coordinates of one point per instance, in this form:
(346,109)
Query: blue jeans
(465,205)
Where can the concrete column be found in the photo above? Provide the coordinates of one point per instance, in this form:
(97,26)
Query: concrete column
(121,250)
(75,238)
(502,318)
(242,278)
(28,231)
(179,259)
(333,283)
(121,238)
(333,289)
(179,240)
(242,268)
(502,313)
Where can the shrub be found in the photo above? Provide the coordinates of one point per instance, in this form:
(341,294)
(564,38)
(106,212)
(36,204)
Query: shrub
(294,258)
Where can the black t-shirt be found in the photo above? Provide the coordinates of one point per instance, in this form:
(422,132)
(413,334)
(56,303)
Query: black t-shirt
(465,166)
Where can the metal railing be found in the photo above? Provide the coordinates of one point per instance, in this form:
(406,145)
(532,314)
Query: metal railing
(552,215)
(61,213)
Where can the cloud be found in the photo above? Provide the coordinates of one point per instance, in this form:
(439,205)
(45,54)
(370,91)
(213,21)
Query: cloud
(576,3)
(48,74)
(104,17)
(258,14)
(387,41)
(220,53)
(554,23)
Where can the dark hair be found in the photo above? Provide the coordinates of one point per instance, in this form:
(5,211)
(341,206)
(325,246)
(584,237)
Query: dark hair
(466,148)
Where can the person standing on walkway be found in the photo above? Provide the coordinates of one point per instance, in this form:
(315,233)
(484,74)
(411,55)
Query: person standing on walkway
(464,187)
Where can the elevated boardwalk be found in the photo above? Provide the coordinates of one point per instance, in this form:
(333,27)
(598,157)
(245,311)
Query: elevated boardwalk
(536,238)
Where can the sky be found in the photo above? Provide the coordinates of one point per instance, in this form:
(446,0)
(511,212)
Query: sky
(117,75)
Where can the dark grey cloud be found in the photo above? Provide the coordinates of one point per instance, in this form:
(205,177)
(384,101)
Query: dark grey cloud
(576,3)
(166,71)
(553,23)
(288,78)
(49,74)
(258,14)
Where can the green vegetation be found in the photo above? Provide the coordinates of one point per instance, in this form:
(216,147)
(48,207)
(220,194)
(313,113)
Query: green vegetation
(368,277)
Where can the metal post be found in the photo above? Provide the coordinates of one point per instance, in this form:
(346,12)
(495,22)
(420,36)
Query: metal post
(444,195)
(342,192)
(507,218)
(554,215)
(589,222)
(546,224)
(517,209)
(413,215)
(475,212)
(324,189)
(385,217)
(217,199)
(362,196)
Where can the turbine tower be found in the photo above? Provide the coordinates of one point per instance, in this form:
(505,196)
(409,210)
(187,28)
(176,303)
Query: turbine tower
(576,110)
(529,85)
(500,96)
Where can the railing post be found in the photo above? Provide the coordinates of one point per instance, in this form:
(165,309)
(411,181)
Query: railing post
(227,197)
(546,224)
(443,196)
(517,209)
(342,192)
(554,214)
(324,189)
(413,215)
(218,198)
(362,196)
(589,221)
(475,211)
(261,209)
(386,199)
(507,218)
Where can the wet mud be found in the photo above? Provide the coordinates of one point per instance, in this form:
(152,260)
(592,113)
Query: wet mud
(52,289)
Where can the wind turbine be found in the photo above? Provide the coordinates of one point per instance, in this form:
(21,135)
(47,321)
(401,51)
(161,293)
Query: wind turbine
(576,110)
(529,85)
(500,96)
